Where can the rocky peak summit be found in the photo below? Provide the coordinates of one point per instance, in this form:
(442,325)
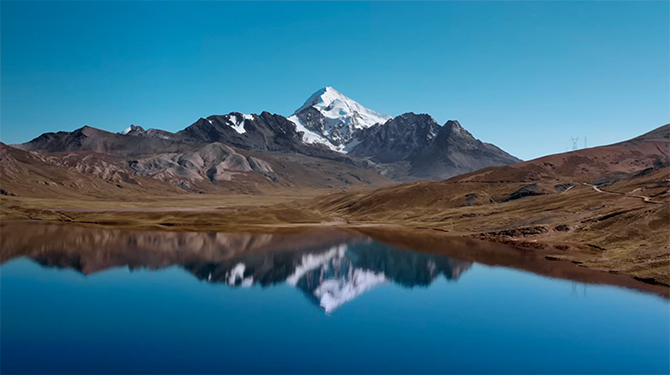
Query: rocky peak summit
(133,129)
(138,131)
(334,118)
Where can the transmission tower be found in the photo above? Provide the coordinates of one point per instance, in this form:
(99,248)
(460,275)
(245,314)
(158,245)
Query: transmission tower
(574,142)
(584,141)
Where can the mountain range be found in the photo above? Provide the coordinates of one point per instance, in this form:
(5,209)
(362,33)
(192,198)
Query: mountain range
(331,141)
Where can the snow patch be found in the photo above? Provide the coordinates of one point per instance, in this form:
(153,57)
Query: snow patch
(237,123)
(128,129)
(431,134)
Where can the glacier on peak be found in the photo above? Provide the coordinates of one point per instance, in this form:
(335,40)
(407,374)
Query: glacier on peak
(333,117)
(235,120)
(333,104)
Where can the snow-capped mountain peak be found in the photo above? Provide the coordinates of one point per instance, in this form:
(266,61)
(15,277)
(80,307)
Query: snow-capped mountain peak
(333,104)
(330,115)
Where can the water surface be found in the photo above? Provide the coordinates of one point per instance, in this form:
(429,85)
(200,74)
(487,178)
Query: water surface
(79,300)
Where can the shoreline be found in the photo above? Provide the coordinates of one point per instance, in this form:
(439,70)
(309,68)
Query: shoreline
(517,254)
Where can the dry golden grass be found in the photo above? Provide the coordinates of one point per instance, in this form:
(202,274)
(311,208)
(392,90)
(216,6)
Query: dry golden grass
(199,201)
(612,231)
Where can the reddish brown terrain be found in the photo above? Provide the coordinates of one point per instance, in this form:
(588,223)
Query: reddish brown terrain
(222,170)
(605,207)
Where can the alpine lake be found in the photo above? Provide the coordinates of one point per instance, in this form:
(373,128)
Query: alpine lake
(88,300)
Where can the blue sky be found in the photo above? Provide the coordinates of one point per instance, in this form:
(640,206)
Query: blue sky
(524,75)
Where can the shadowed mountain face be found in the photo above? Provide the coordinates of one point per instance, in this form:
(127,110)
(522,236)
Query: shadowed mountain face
(264,132)
(91,139)
(330,267)
(415,147)
(394,141)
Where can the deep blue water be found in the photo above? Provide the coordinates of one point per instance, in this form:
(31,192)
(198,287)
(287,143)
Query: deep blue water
(355,306)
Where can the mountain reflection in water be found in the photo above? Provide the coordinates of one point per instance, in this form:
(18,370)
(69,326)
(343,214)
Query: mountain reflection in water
(331,267)
(242,312)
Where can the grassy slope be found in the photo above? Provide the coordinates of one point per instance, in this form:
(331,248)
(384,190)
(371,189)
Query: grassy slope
(613,230)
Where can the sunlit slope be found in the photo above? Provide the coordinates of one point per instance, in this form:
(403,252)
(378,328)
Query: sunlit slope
(610,201)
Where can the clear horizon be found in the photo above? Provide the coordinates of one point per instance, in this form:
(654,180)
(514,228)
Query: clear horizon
(525,76)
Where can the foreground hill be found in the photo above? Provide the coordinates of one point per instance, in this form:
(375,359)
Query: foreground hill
(612,202)
(205,168)
(31,174)
(547,175)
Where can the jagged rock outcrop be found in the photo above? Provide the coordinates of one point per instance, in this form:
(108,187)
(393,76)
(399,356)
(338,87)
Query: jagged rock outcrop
(138,131)
(88,138)
(413,146)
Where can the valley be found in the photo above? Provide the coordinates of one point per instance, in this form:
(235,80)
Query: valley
(332,163)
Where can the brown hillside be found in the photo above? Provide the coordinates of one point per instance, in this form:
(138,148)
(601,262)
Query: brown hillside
(212,169)
(611,202)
